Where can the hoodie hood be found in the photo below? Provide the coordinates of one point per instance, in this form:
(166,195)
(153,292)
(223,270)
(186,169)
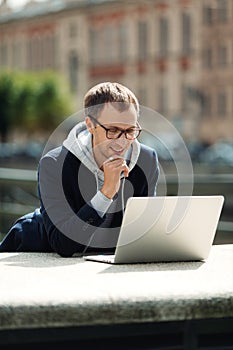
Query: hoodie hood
(79,142)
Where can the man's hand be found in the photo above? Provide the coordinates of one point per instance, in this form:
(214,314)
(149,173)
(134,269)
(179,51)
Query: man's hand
(113,167)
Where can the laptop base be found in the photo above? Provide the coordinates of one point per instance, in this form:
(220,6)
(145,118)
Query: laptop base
(107,258)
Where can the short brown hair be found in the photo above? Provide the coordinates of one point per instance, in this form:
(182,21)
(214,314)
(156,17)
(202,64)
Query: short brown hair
(109,92)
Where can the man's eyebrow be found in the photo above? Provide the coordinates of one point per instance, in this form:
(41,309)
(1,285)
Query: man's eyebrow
(116,127)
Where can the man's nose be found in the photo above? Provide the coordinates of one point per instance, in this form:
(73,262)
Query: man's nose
(121,140)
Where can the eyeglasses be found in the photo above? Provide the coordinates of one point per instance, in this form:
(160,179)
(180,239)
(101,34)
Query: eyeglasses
(115,133)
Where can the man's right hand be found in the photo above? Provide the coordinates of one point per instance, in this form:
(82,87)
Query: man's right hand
(113,168)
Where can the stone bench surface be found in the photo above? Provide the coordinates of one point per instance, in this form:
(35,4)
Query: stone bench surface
(45,290)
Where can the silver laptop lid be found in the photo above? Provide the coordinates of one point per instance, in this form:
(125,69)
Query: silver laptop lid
(168,228)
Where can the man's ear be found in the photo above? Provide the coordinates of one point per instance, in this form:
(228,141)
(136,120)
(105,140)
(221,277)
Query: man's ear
(89,124)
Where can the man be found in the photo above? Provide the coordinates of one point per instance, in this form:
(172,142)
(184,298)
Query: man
(84,184)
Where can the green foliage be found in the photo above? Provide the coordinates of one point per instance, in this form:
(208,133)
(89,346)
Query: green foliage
(32,101)
(52,102)
(26,85)
(7,101)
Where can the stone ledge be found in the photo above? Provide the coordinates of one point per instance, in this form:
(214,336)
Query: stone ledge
(41,290)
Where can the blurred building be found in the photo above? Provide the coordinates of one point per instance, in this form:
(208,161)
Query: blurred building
(176,55)
(216,84)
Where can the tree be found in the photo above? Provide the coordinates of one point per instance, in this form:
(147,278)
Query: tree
(52,101)
(32,101)
(7,101)
(25,87)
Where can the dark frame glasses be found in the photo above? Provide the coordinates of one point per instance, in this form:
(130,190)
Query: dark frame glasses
(115,133)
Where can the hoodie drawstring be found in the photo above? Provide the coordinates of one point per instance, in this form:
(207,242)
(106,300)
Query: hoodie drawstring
(122,196)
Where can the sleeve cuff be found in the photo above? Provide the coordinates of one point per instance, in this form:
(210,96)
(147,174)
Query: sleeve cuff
(101,203)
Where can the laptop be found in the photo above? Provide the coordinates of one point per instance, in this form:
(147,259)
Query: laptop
(166,229)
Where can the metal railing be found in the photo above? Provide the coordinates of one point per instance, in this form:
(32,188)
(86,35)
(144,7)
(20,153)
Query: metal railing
(18,195)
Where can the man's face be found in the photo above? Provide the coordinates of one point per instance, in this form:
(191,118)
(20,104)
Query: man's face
(110,117)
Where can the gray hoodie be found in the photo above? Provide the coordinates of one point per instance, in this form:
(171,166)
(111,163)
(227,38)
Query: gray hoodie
(79,142)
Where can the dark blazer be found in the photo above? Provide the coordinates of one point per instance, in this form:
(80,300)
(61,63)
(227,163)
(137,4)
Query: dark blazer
(66,222)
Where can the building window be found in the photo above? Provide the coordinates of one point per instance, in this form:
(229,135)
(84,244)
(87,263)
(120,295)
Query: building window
(163,37)
(222,10)
(123,41)
(48,49)
(207,58)
(32,53)
(163,99)
(207,105)
(37,53)
(17,54)
(73,30)
(207,15)
(184,97)
(222,56)
(73,70)
(222,104)
(29,54)
(142,96)
(93,48)
(186,33)
(142,40)
(109,44)
(53,50)
(3,54)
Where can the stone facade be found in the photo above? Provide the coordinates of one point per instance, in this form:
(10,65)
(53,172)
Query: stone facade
(159,48)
